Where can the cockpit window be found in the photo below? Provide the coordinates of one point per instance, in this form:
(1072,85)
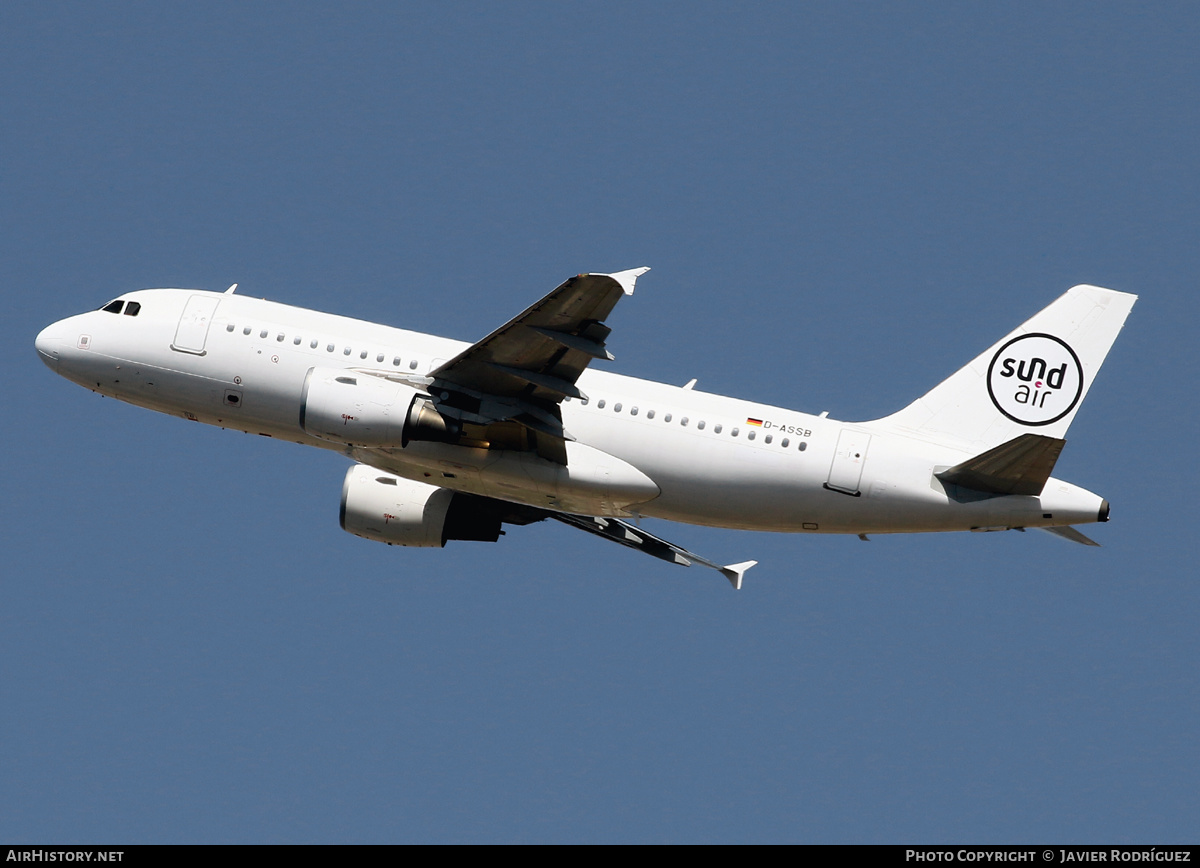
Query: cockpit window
(132,308)
(113,306)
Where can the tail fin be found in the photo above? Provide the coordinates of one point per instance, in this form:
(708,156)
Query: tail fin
(1031,381)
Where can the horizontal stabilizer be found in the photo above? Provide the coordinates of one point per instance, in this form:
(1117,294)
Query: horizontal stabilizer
(1020,466)
(1068,532)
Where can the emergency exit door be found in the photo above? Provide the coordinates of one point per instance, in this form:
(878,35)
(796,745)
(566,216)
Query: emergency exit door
(845,472)
(193,324)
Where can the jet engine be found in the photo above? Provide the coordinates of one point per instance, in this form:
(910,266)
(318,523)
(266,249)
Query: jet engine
(365,410)
(398,511)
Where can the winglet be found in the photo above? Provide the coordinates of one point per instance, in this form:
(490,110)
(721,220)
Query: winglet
(627,279)
(734,573)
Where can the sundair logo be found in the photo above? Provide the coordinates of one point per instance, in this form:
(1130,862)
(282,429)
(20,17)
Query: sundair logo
(1035,379)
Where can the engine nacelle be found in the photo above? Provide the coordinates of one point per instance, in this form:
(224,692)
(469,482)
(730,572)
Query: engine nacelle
(398,511)
(364,410)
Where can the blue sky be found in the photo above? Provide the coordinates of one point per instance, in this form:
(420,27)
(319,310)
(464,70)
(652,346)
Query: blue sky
(842,203)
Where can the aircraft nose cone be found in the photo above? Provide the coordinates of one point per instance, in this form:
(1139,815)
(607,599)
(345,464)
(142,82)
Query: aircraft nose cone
(50,346)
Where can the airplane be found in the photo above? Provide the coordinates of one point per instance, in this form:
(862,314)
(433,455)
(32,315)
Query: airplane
(451,441)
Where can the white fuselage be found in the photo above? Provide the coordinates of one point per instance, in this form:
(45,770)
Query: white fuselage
(241,363)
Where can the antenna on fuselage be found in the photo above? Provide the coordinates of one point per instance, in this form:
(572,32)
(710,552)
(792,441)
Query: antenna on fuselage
(231,289)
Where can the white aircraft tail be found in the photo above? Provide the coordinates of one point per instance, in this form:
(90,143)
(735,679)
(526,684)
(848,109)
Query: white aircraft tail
(1031,381)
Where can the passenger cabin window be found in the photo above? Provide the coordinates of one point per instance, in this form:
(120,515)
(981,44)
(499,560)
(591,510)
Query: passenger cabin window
(803,445)
(784,443)
(412,366)
(717,428)
(600,404)
(649,414)
(279,337)
(263,333)
(749,435)
(617,407)
(379,358)
(363,354)
(633,411)
(246,330)
(700,425)
(768,438)
(113,306)
(296,340)
(667,418)
(346,351)
(312,345)
(683,421)
(329,348)
(230,327)
(396,362)
(133,308)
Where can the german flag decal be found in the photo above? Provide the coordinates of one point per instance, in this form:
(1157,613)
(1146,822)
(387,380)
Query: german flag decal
(757,423)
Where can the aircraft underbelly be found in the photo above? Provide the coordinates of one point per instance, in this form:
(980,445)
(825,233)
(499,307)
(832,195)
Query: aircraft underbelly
(894,492)
(591,483)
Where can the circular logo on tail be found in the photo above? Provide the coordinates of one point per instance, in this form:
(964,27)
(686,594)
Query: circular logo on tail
(1035,379)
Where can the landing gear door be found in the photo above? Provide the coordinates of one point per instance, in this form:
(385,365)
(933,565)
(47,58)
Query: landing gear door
(193,324)
(846,470)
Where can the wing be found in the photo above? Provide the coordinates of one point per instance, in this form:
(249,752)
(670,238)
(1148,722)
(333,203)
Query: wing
(475,511)
(509,385)
(628,535)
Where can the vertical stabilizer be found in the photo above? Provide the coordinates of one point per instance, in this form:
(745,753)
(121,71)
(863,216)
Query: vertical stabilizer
(1031,381)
